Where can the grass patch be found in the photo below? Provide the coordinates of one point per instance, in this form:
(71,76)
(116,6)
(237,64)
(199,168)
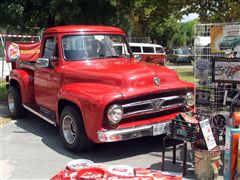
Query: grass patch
(3,91)
(185,74)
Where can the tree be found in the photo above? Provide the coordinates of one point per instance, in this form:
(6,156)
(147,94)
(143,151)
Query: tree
(47,13)
(211,11)
(162,33)
(184,36)
(149,18)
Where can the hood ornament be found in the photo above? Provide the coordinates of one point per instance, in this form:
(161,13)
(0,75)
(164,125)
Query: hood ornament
(156,81)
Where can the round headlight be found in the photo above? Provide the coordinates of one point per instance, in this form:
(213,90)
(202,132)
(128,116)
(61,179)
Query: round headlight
(189,99)
(115,113)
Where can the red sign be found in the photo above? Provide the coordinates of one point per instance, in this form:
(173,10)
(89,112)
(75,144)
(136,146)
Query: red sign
(22,51)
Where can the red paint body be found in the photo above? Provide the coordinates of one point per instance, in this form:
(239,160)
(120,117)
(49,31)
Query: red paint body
(157,56)
(93,85)
(154,58)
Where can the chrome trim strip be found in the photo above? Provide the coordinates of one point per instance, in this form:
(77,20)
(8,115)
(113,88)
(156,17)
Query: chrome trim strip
(129,133)
(149,101)
(150,104)
(173,106)
(151,111)
(40,115)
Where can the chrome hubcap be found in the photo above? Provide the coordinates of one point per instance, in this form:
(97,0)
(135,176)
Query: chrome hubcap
(69,129)
(11,104)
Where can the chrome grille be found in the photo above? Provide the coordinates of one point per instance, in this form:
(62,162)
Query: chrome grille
(153,105)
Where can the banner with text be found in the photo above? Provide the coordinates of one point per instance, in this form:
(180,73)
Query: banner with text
(22,51)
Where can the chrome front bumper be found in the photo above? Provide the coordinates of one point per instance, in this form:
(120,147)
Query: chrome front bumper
(134,132)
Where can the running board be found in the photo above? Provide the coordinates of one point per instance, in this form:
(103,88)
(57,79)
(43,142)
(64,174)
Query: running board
(41,114)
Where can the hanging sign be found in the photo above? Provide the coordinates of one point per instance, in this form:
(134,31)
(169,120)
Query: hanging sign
(225,39)
(22,51)
(226,70)
(207,134)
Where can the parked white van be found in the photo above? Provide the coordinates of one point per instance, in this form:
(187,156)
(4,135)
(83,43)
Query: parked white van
(152,53)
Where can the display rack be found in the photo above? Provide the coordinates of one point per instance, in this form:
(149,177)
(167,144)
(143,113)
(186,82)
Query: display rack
(211,97)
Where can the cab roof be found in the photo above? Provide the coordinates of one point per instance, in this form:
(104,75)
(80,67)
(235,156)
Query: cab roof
(83,28)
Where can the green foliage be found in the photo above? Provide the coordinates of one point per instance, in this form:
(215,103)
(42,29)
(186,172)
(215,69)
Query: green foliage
(47,13)
(158,19)
(3,91)
(213,11)
(163,32)
(186,74)
(184,36)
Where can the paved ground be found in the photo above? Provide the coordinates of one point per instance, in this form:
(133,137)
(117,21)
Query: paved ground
(31,149)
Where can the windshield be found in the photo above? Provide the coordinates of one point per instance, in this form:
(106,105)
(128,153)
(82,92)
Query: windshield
(231,38)
(182,51)
(82,47)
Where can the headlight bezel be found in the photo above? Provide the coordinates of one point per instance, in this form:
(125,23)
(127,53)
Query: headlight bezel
(110,110)
(188,98)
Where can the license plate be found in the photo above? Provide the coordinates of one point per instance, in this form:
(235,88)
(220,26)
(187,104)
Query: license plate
(160,129)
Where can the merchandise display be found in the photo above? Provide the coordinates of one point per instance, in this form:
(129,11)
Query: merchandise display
(217,98)
(226,70)
(202,97)
(185,127)
(86,170)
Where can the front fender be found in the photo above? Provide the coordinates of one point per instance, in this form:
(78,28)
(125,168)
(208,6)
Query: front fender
(92,100)
(24,77)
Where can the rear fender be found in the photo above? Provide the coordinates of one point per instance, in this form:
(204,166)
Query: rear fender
(92,100)
(26,84)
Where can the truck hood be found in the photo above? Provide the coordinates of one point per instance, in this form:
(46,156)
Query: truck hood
(125,76)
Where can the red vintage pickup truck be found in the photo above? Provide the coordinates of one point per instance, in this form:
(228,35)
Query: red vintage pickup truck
(94,92)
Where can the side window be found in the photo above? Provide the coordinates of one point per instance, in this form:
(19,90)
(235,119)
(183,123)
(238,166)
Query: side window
(136,49)
(159,50)
(148,49)
(50,49)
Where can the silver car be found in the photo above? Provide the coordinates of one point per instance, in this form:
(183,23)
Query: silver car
(180,55)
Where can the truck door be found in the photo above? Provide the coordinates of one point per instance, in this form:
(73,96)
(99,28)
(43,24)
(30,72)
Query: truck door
(46,82)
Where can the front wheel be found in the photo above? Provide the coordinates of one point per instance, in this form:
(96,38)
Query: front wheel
(15,107)
(72,130)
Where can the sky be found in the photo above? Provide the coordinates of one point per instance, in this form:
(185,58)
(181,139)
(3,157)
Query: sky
(189,17)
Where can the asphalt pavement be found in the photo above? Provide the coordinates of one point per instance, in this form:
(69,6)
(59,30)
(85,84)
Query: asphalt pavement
(31,149)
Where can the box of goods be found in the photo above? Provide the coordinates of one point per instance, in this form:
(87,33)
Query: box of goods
(185,127)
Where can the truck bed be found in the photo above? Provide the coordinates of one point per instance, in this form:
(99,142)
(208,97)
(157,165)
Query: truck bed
(24,64)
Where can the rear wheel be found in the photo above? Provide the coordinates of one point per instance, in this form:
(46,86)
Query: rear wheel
(15,107)
(72,130)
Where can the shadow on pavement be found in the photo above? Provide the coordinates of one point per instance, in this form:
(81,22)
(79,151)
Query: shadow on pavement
(106,152)
(100,152)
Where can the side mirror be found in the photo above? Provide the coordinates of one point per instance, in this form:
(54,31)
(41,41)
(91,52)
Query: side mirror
(138,57)
(42,62)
